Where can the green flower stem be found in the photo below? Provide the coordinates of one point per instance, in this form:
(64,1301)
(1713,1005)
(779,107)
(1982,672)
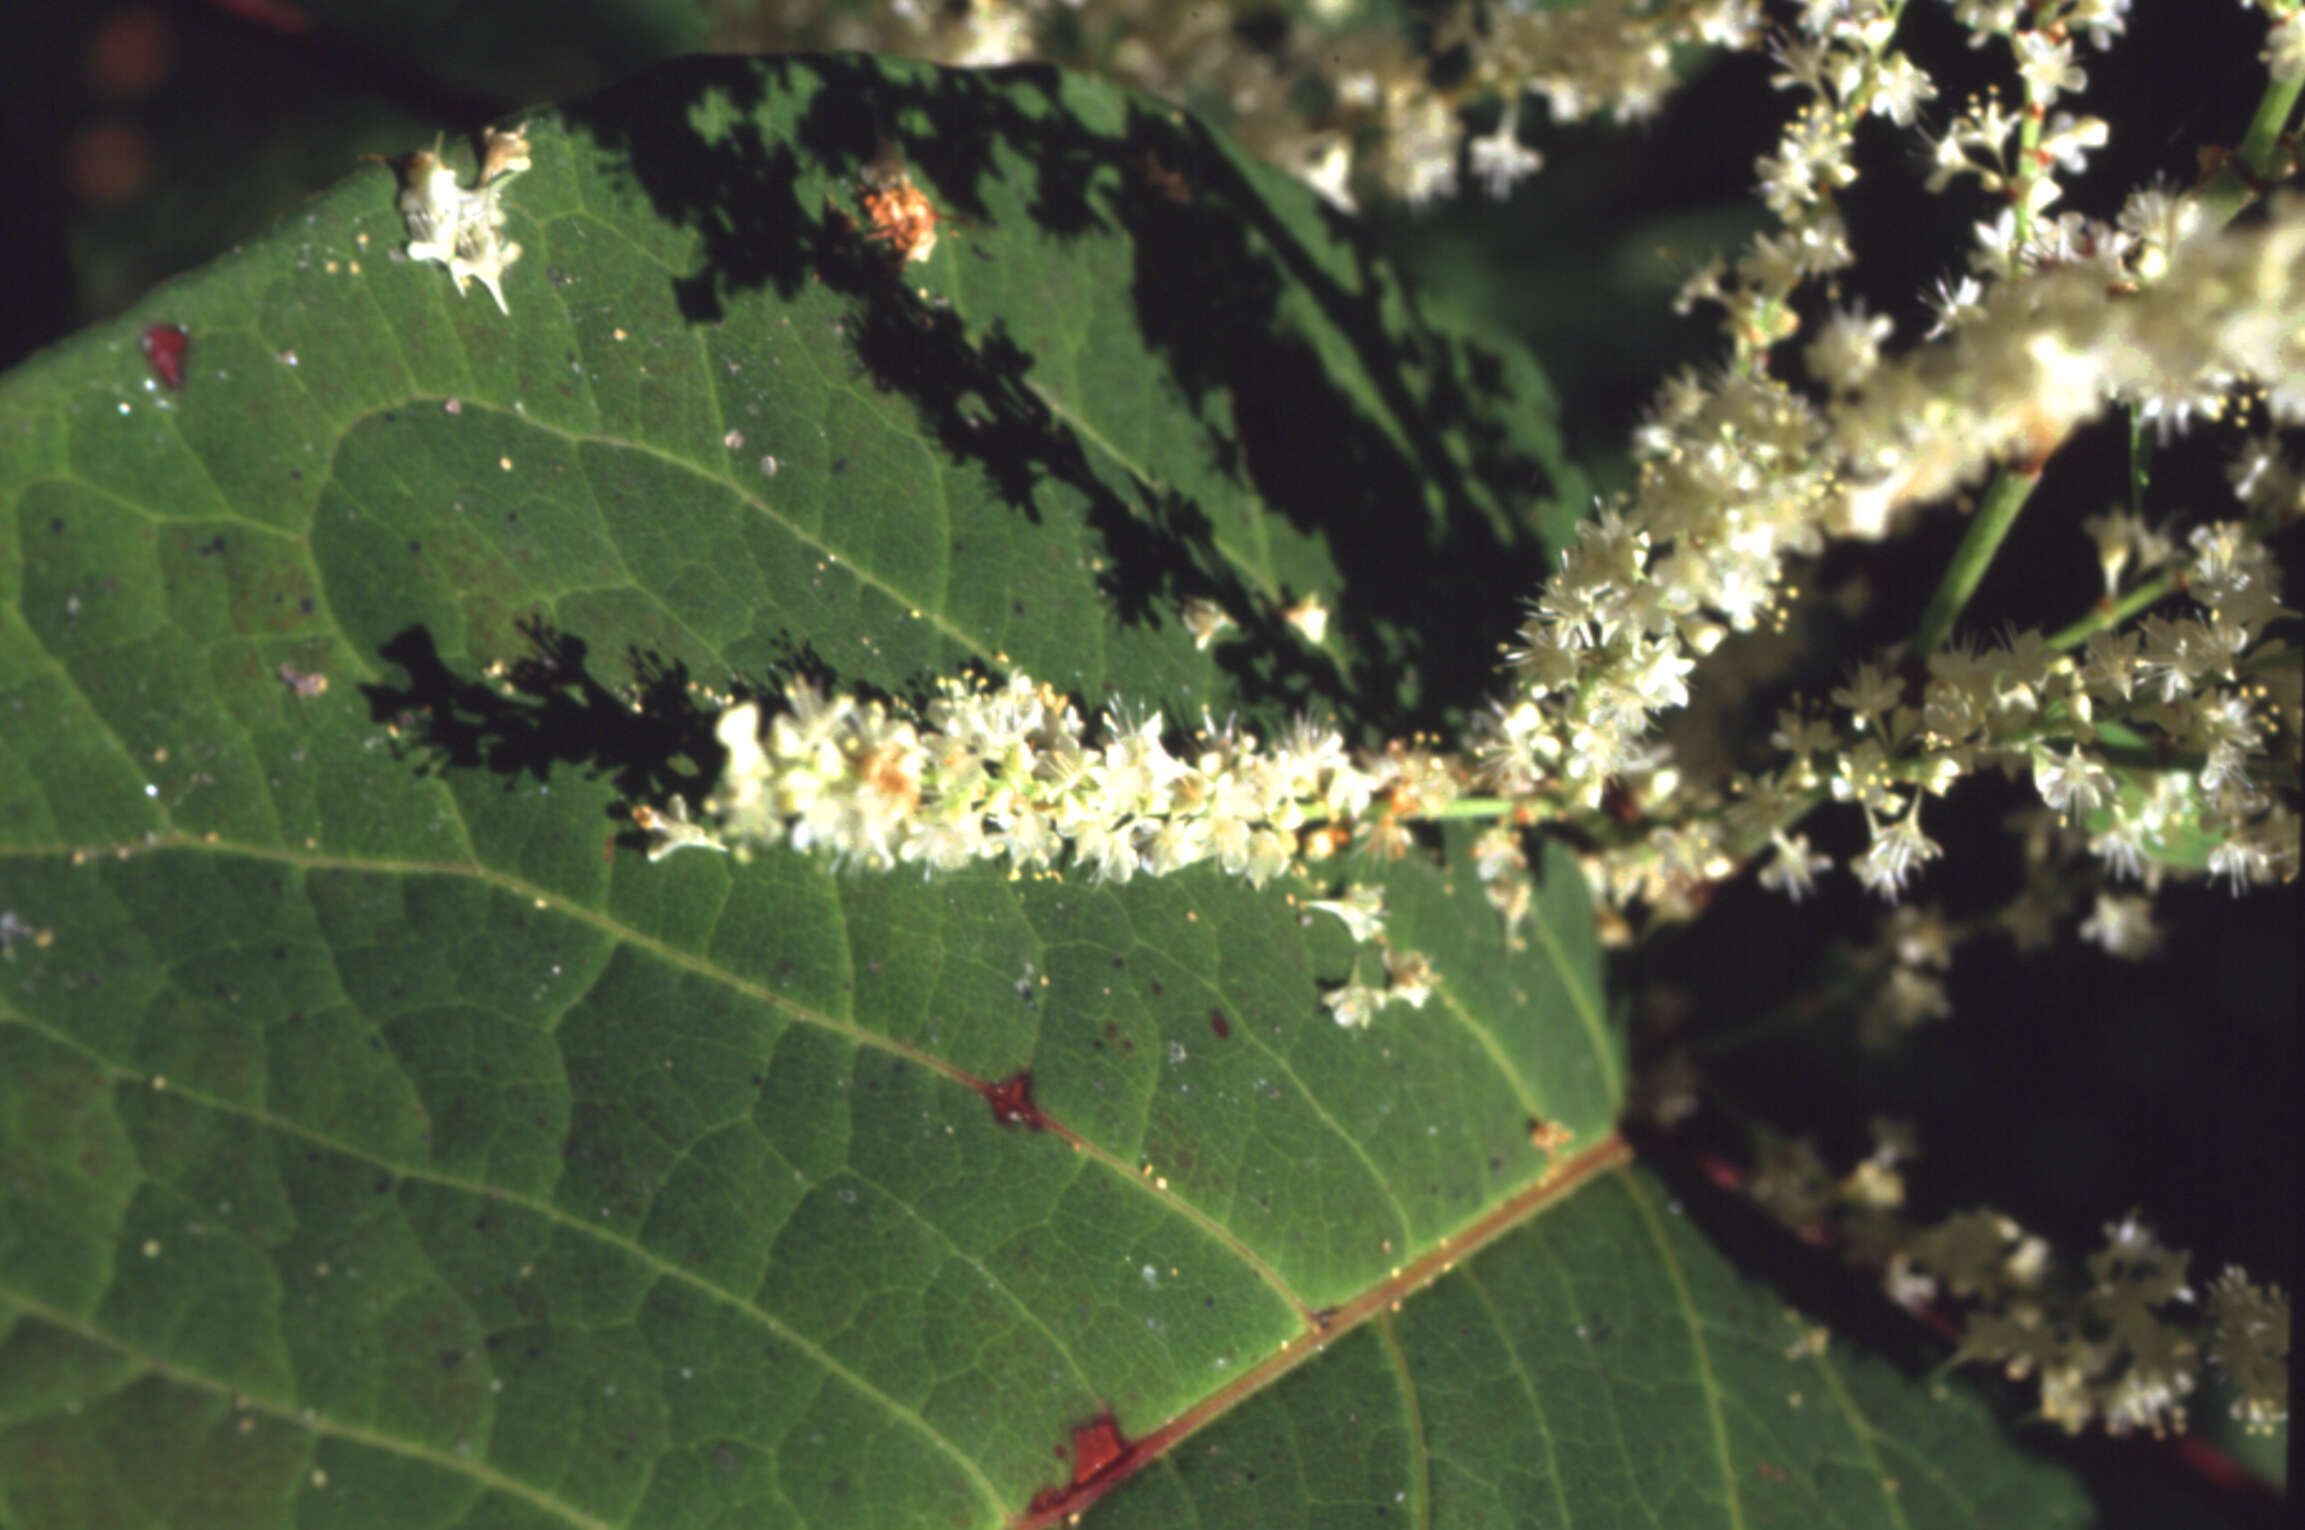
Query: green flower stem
(2153,760)
(2260,158)
(2020,188)
(2113,613)
(1845,986)
(1473,807)
(2140,461)
(2004,497)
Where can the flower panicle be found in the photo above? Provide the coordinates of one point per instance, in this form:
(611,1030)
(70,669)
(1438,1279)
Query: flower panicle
(1010,772)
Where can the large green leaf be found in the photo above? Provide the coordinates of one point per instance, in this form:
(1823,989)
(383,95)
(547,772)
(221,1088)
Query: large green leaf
(383,1142)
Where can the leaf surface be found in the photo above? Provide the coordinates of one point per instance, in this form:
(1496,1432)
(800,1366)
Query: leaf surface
(384,1141)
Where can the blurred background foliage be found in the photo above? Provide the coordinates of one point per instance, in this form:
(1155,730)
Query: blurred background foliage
(147,136)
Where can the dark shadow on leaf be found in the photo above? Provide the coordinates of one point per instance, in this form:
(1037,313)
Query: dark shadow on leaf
(649,734)
(1415,520)
(1318,389)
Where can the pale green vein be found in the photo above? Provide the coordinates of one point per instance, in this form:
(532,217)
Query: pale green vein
(1353,1143)
(1606,1393)
(1866,1436)
(1023,1309)
(664,1269)
(1584,1001)
(303,1418)
(1261,578)
(857,568)
(384,322)
(1707,1383)
(1420,1454)
(1944,1481)
(105,725)
(1537,1410)
(1489,1044)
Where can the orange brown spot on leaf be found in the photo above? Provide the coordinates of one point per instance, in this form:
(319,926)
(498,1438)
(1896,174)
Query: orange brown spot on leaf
(1011,1101)
(1099,1452)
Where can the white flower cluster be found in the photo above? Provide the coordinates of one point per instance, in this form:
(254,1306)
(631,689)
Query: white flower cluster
(2250,1342)
(1612,56)
(1742,473)
(1379,123)
(2117,1348)
(1008,772)
(2039,354)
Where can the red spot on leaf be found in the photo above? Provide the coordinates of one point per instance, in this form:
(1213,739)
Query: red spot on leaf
(1219,1024)
(1099,1452)
(164,347)
(1011,1101)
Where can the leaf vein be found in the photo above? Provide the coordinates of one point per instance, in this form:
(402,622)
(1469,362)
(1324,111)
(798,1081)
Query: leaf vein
(545,1210)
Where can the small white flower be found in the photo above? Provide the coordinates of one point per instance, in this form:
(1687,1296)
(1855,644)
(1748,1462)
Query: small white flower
(1106,850)
(1847,347)
(1870,693)
(1361,907)
(2075,785)
(1955,304)
(1269,856)
(2069,140)
(2123,924)
(1800,735)
(1204,619)
(1499,159)
(1986,19)
(1353,1004)
(669,829)
(2047,67)
(1897,852)
(1409,978)
(1793,869)
(2284,53)
(1310,618)
(2101,19)
(1899,88)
